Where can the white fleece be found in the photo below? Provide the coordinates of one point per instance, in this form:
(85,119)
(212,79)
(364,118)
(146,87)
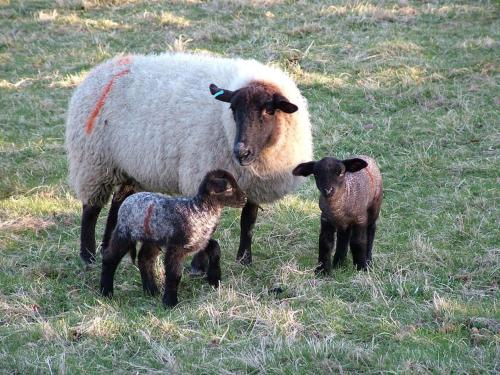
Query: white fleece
(159,125)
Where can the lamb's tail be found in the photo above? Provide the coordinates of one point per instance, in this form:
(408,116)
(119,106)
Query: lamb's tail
(133,253)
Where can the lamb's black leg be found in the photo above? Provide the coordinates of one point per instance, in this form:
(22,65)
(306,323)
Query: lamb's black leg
(116,202)
(248,218)
(326,243)
(214,272)
(359,247)
(343,237)
(370,233)
(147,260)
(173,271)
(111,257)
(199,264)
(87,233)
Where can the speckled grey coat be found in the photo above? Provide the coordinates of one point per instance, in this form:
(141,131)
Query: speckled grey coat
(188,223)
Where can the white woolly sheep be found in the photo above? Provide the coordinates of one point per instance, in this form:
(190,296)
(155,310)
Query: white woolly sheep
(150,123)
(350,200)
(179,226)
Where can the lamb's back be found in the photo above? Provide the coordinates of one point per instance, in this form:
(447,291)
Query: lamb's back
(150,217)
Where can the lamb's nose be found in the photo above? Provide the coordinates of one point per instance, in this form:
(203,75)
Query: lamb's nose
(328,191)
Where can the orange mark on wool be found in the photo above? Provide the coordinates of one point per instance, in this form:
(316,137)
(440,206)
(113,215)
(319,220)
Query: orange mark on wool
(147,219)
(102,99)
(372,183)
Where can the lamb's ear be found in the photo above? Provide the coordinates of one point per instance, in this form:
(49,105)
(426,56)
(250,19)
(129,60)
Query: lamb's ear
(354,165)
(304,169)
(218,186)
(221,94)
(282,103)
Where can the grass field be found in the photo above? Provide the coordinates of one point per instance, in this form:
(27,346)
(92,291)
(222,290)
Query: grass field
(414,84)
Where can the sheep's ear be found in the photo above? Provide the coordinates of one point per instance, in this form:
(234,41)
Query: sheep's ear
(304,169)
(221,94)
(219,186)
(354,165)
(282,103)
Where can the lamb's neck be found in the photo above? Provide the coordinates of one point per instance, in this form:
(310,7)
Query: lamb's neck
(204,208)
(336,203)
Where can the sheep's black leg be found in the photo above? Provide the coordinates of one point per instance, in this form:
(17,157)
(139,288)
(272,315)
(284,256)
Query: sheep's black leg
(326,243)
(359,247)
(87,233)
(147,260)
(370,233)
(248,218)
(173,271)
(343,237)
(199,264)
(116,202)
(111,257)
(214,273)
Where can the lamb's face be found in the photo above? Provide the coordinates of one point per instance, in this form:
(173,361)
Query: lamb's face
(223,188)
(256,111)
(329,173)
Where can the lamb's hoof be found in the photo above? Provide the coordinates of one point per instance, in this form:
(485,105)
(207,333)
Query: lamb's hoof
(170,300)
(361,266)
(87,257)
(321,271)
(151,290)
(214,282)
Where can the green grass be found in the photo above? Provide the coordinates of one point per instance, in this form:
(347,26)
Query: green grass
(414,84)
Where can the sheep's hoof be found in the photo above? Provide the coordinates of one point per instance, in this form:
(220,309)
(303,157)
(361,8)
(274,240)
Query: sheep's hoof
(244,259)
(106,292)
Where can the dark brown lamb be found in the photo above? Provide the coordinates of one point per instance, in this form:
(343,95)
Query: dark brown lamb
(350,200)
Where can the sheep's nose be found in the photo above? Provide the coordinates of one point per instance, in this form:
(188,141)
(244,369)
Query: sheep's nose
(241,152)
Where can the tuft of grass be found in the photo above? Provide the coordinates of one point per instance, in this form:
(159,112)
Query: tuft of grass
(413,84)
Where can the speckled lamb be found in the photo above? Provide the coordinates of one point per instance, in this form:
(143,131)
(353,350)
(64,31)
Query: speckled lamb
(350,200)
(179,226)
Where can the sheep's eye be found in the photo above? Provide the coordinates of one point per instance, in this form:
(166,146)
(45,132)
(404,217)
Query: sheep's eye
(269,109)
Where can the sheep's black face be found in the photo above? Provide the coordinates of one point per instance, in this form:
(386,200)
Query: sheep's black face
(222,187)
(256,110)
(329,173)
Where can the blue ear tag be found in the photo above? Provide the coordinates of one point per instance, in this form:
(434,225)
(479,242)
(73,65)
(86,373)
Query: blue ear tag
(218,93)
